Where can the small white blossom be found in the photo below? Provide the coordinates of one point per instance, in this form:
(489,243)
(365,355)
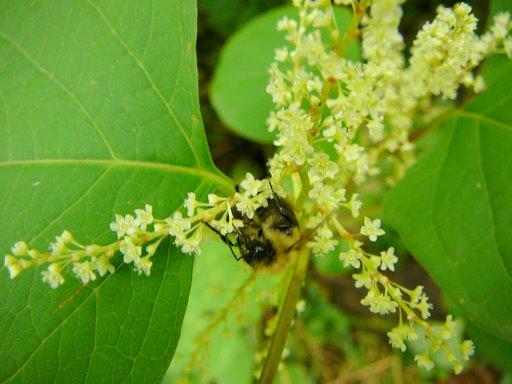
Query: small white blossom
(323,241)
(130,251)
(448,328)
(353,152)
(13,265)
(355,205)
(467,348)
(177,224)
(53,276)
(388,259)
(58,247)
(321,168)
(372,229)
(424,307)
(20,249)
(143,265)
(84,271)
(351,258)
(124,226)
(190,245)
(363,279)
(144,217)
(250,185)
(424,361)
(246,205)
(102,265)
(379,303)
(399,334)
(327,196)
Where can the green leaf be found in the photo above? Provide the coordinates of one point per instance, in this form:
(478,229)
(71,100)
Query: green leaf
(499,6)
(454,209)
(225,16)
(99,115)
(238,87)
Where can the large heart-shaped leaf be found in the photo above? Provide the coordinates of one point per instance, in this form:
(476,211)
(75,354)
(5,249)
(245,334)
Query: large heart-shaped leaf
(454,209)
(98,115)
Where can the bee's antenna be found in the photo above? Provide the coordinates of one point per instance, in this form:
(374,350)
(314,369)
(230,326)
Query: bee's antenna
(308,234)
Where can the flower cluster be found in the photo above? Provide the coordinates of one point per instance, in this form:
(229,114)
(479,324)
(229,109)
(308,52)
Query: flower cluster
(386,296)
(365,110)
(139,235)
(88,261)
(339,121)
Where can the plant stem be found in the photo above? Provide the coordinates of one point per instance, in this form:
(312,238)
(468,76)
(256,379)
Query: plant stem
(286,314)
(352,31)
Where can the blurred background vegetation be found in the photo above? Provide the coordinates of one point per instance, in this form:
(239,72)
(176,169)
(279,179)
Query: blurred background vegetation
(334,339)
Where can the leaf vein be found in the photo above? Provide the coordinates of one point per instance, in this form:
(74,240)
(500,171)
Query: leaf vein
(65,89)
(148,77)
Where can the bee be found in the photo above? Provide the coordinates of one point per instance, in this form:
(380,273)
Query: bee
(266,240)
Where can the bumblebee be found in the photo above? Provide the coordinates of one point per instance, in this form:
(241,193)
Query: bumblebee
(266,240)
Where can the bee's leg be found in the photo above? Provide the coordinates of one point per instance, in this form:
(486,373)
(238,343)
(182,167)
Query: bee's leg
(225,239)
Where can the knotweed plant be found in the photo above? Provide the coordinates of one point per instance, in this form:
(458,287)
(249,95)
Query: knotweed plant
(338,124)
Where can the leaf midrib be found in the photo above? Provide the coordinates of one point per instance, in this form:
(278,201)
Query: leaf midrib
(124,163)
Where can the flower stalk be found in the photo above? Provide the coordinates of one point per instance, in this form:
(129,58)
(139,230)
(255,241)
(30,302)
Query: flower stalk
(285,317)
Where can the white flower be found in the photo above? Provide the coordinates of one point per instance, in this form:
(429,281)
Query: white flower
(20,249)
(416,294)
(327,196)
(353,152)
(379,303)
(58,247)
(323,241)
(130,251)
(321,168)
(467,348)
(355,205)
(372,229)
(124,226)
(250,185)
(190,245)
(102,265)
(246,205)
(501,25)
(52,275)
(143,265)
(363,279)
(424,307)
(144,217)
(448,328)
(177,224)
(424,361)
(399,334)
(388,259)
(351,258)
(13,265)
(84,271)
